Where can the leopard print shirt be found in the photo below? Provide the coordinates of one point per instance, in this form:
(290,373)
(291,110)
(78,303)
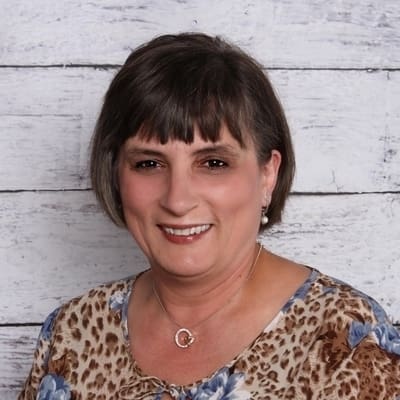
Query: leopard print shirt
(328,342)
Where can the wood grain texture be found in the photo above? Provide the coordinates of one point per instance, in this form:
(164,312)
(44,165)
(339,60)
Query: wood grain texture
(16,355)
(303,33)
(54,246)
(345,127)
(59,243)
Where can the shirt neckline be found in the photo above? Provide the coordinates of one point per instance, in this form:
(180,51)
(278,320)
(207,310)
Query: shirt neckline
(299,294)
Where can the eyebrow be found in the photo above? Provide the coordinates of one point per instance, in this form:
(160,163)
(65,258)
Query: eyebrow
(143,151)
(223,149)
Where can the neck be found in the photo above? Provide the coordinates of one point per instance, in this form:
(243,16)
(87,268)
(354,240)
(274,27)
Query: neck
(188,302)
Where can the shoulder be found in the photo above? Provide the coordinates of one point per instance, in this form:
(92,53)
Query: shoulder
(369,335)
(328,310)
(353,341)
(347,308)
(340,316)
(101,305)
(76,337)
(71,331)
(339,301)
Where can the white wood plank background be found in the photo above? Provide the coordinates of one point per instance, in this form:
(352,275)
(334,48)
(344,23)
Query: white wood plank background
(336,68)
(281,33)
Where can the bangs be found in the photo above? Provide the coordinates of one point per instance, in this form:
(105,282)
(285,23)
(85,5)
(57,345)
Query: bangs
(181,121)
(183,97)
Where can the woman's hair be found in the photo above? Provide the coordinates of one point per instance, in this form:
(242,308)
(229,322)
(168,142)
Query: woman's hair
(176,83)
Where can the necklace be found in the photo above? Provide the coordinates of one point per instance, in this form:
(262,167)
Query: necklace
(184,337)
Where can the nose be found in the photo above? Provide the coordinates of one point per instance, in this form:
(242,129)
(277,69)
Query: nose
(179,195)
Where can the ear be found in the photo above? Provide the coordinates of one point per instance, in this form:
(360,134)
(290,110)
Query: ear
(270,176)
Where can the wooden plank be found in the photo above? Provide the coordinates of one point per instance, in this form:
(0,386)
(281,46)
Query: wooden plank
(9,394)
(56,245)
(48,116)
(51,154)
(345,127)
(300,33)
(17,345)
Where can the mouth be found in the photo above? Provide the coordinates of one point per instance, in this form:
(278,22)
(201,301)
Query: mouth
(186,231)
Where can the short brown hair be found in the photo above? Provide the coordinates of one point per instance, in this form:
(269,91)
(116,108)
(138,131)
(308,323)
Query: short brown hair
(175,82)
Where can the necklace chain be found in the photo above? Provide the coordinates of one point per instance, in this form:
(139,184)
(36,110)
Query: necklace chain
(184,337)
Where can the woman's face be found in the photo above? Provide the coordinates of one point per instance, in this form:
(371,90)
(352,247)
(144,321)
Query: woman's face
(194,209)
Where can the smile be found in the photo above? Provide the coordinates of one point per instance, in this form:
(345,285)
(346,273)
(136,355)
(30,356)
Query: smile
(195,230)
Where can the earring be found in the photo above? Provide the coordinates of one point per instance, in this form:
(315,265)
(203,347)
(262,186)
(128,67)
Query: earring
(264,216)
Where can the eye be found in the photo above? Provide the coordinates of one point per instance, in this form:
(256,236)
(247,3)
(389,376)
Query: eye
(146,165)
(215,164)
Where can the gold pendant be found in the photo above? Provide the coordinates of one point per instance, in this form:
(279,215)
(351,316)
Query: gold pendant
(184,338)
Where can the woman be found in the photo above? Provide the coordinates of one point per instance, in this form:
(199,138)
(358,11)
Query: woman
(192,154)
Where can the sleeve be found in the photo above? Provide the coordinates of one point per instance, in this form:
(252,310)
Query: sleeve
(357,355)
(376,357)
(41,356)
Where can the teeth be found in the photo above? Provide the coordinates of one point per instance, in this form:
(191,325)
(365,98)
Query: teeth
(187,231)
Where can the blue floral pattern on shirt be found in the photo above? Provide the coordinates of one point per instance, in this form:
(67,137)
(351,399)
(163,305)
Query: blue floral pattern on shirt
(388,338)
(222,386)
(118,303)
(53,387)
(47,327)
(301,292)
(385,334)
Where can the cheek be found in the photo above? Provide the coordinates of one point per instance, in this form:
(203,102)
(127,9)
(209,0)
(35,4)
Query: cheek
(136,207)
(136,196)
(238,195)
